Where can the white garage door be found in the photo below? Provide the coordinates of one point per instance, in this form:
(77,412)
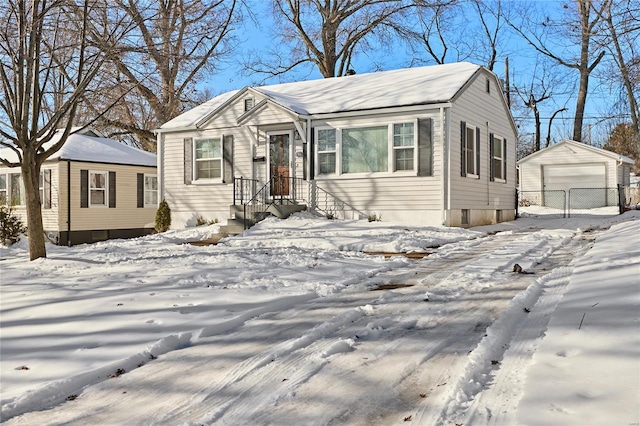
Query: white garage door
(567,176)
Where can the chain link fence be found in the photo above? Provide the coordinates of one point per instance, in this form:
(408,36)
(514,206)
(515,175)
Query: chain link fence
(560,203)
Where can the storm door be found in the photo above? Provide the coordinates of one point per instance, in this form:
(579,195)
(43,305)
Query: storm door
(279,149)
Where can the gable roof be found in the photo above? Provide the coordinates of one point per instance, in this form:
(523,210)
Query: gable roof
(87,146)
(578,145)
(396,88)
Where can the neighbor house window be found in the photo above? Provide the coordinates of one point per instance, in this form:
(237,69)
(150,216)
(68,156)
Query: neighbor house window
(98,188)
(208,158)
(497,160)
(3,189)
(403,146)
(15,188)
(365,150)
(41,186)
(150,190)
(326,151)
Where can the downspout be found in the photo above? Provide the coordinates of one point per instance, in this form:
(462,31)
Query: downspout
(69,203)
(309,153)
(489,165)
(159,156)
(445,135)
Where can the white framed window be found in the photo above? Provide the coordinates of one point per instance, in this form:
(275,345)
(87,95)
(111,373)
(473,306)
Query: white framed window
(386,148)
(98,188)
(41,186)
(470,154)
(15,190)
(3,189)
(207,159)
(327,151)
(365,149)
(150,190)
(404,146)
(497,160)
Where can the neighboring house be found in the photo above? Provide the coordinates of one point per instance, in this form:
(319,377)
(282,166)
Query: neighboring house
(92,189)
(421,146)
(568,168)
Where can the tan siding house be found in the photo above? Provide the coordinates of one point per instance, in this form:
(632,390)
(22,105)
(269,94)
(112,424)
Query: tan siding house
(93,189)
(420,146)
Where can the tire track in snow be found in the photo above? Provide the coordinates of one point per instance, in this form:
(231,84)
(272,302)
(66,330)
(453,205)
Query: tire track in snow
(507,347)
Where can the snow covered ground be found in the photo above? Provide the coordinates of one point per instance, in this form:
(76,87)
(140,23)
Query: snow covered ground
(292,323)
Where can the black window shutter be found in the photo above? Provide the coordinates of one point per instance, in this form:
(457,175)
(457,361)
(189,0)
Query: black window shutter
(478,151)
(425,148)
(84,188)
(188,160)
(504,159)
(227,156)
(491,162)
(140,190)
(46,203)
(463,148)
(112,190)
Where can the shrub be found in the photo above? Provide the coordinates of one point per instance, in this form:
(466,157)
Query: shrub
(11,226)
(202,221)
(163,217)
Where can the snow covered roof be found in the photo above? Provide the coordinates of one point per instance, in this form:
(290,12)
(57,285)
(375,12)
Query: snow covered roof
(580,145)
(396,88)
(84,146)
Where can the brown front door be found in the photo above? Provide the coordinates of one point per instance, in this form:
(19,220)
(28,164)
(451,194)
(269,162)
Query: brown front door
(279,164)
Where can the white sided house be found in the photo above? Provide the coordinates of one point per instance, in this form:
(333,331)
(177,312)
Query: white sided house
(92,189)
(421,146)
(573,174)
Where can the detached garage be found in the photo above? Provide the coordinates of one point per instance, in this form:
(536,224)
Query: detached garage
(582,176)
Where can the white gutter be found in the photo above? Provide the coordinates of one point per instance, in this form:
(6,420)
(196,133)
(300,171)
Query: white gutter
(159,162)
(376,111)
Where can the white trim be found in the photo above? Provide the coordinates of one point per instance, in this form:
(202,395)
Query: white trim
(502,168)
(473,175)
(378,111)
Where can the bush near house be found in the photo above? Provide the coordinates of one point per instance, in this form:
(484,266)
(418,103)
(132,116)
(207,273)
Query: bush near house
(11,226)
(163,217)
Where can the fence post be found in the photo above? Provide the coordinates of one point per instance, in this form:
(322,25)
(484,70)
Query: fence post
(622,200)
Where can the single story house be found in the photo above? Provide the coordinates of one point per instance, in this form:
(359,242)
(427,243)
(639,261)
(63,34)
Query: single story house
(92,189)
(421,146)
(573,174)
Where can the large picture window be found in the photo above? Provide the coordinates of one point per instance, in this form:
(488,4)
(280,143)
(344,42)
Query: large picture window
(98,189)
(385,148)
(208,158)
(365,150)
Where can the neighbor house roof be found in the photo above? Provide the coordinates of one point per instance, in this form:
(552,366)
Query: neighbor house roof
(396,88)
(87,146)
(579,145)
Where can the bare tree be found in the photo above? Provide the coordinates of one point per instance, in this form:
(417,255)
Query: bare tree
(577,27)
(470,30)
(156,68)
(328,33)
(622,21)
(43,49)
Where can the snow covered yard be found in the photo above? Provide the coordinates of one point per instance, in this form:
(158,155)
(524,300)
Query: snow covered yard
(284,325)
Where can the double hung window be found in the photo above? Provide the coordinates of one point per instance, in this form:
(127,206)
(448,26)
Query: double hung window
(403,146)
(497,160)
(150,190)
(98,189)
(3,189)
(326,151)
(208,158)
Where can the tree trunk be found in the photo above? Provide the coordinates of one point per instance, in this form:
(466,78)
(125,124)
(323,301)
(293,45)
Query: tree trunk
(31,178)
